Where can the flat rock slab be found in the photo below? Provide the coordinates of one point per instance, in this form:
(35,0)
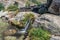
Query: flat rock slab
(55,37)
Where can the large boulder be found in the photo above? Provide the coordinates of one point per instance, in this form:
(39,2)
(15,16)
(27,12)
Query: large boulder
(50,22)
(55,7)
(21,18)
(21,15)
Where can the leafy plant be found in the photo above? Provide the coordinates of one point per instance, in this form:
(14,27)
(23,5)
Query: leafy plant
(12,8)
(39,34)
(1,6)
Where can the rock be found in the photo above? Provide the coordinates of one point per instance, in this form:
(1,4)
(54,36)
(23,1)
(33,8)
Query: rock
(20,18)
(55,7)
(55,37)
(3,13)
(28,38)
(9,32)
(11,2)
(20,15)
(3,26)
(10,15)
(50,22)
(21,3)
(10,38)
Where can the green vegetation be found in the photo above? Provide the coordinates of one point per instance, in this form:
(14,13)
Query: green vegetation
(39,34)
(33,1)
(36,2)
(29,16)
(2,23)
(1,6)
(22,22)
(27,4)
(12,8)
(3,26)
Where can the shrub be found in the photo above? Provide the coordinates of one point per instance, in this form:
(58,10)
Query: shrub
(39,34)
(1,6)
(12,8)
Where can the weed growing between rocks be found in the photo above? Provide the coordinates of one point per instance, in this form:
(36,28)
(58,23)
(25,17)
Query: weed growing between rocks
(39,34)
(12,8)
